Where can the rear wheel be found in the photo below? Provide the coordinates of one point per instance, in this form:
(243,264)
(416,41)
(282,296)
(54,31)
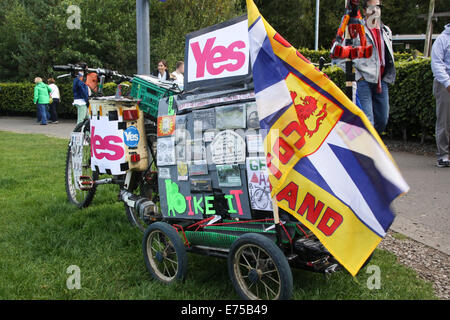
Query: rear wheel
(78,169)
(258,269)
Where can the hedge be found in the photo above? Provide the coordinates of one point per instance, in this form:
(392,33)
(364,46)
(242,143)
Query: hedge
(17,99)
(412,104)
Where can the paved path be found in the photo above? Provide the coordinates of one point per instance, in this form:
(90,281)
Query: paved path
(422,214)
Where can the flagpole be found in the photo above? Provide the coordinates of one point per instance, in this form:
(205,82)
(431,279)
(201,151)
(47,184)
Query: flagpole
(349,70)
(316,40)
(143,36)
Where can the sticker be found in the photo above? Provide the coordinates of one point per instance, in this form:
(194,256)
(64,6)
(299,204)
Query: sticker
(206,117)
(131,137)
(255,143)
(258,184)
(165,151)
(180,122)
(76,148)
(107,146)
(198,168)
(208,136)
(228,147)
(230,117)
(229,175)
(198,149)
(252,116)
(164,173)
(182,168)
(166,126)
(201,185)
(176,203)
(180,145)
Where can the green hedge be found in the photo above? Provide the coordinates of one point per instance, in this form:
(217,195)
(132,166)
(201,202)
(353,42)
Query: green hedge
(412,104)
(17,99)
(412,113)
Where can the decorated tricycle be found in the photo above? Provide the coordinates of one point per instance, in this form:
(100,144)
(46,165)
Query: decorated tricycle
(193,173)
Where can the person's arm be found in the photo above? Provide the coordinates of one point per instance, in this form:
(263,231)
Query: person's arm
(35,98)
(85,93)
(438,64)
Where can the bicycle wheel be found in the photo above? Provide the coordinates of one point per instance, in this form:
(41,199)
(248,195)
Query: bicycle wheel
(80,194)
(164,253)
(258,269)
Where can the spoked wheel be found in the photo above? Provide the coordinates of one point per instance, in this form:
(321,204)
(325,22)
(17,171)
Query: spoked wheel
(258,269)
(80,191)
(164,253)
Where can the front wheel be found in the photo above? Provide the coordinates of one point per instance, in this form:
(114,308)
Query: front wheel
(164,253)
(258,269)
(79,177)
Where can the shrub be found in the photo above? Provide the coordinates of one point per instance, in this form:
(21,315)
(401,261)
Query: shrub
(17,99)
(412,104)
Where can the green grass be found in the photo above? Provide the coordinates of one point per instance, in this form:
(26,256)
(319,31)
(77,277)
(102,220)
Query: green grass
(41,235)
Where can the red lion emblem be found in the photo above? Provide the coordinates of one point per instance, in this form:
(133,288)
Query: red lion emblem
(305,110)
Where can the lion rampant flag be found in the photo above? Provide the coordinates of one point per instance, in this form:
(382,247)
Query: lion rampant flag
(327,165)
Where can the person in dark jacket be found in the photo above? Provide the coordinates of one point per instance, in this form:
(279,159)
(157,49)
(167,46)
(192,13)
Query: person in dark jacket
(80,97)
(163,72)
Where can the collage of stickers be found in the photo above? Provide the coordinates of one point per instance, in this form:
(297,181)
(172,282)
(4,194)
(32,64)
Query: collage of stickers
(211,162)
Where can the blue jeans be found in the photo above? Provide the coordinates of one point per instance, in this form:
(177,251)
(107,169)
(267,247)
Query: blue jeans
(375,105)
(42,113)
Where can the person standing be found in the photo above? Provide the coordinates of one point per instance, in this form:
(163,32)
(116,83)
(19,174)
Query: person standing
(373,74)
(80,96)
(54,94)
(440,65)
(163,72)
(178,74)
(41,99)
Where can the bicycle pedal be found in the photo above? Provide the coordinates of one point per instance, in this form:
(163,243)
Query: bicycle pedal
(86,183)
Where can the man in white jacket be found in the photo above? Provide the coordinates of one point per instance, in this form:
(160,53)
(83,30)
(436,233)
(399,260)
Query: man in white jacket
(375,73)
(440,65)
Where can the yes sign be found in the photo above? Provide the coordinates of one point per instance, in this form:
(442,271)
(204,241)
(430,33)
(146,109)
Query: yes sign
(107,146)
(217,52)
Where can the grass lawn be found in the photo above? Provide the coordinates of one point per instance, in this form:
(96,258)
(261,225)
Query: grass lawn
(41,235)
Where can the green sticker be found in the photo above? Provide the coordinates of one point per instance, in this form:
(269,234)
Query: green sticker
(171,112)
(175,200)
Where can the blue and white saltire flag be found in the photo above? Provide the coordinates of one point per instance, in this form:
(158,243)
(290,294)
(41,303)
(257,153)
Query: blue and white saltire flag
(327,165)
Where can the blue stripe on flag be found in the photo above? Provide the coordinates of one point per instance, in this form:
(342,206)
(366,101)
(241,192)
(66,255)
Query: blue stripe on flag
(253,24)
(307,169)
(267,69)
(376,190)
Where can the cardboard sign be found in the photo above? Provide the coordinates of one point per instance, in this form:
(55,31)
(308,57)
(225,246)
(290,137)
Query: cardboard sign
(107,146)
(258,184)
(217,55)
(76,147)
